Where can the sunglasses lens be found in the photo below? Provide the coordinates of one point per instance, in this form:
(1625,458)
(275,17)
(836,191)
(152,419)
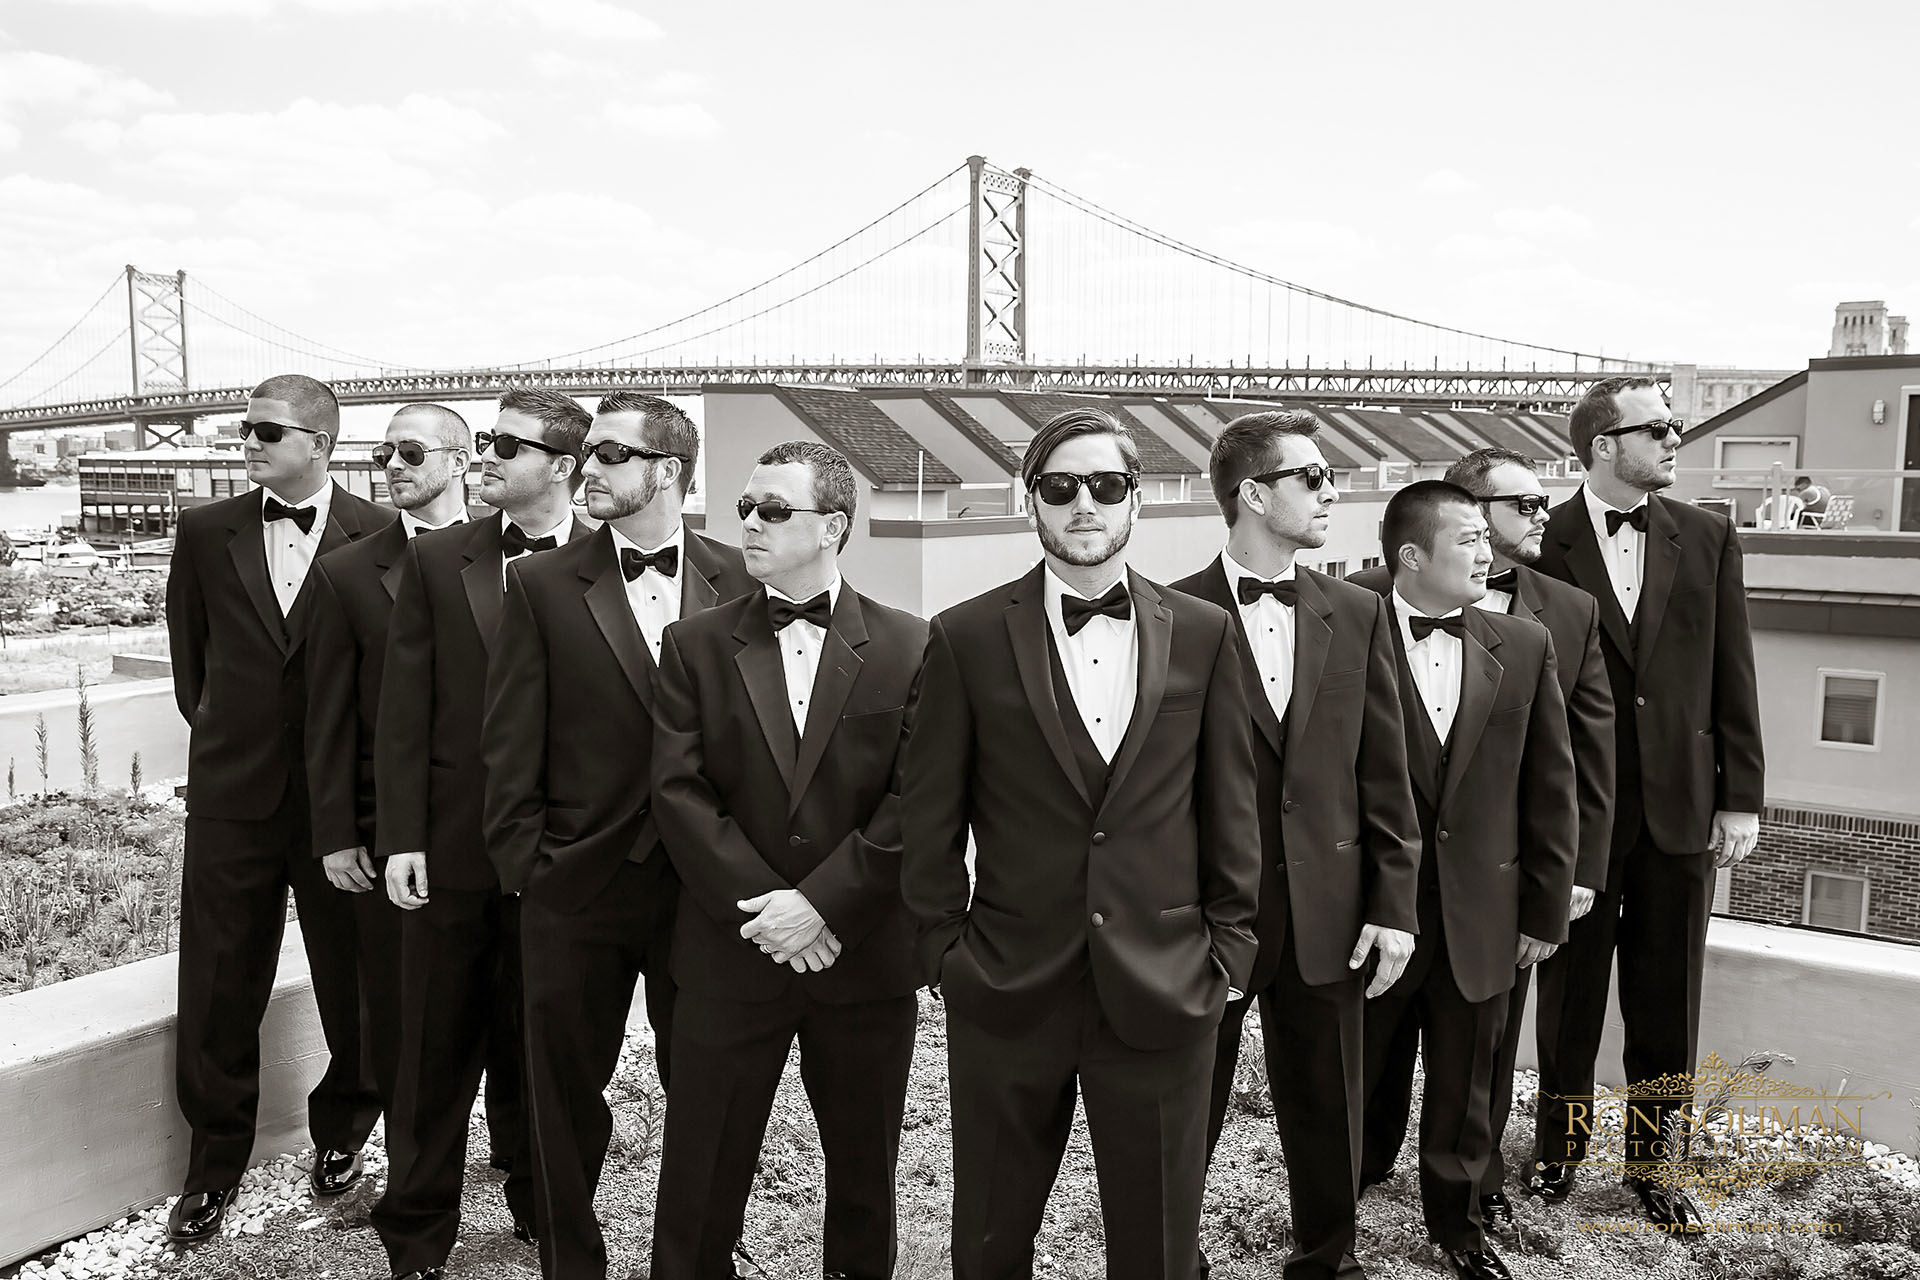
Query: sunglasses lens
(505,447)
(382,454)
(1057,489)
(1531,506)
(1315,476)
(1108,487)
(264,432)
(774,513)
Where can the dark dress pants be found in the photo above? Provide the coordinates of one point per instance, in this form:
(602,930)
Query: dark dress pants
(1013,1105)
(728,1057)
(1313,1038)
(377,925)
(233,909)
(1653,917)
(460,980)
(579,971)
(1458,1041)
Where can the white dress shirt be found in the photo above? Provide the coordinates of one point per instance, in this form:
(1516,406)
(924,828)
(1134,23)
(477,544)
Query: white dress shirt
(415,526)
(653,596)
(1270,633)
(289,551)
(1625,552)
(800,645)
(1437,663)
(1102,665)
(1496,601)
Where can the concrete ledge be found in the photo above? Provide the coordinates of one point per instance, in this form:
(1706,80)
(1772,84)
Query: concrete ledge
(1846,1008)
(86,1092)
(142,666)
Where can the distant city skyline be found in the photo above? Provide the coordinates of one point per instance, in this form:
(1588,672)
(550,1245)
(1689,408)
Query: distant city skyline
(450,184)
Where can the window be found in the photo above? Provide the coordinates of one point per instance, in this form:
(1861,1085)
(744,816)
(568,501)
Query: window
(1335,569)
(1835,901)
(1371,562)
(1745,462)
(1850,709)
(380,491)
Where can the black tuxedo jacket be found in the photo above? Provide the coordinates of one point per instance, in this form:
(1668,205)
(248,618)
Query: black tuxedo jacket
(1334,799)
(446,610)
(1687,710)
(1572,618)
(239,668)
(346,651)
(746,806)
(1497,807)
(1155,889)
(568,739)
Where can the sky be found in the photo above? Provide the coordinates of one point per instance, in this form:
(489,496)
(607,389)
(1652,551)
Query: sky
(465,182)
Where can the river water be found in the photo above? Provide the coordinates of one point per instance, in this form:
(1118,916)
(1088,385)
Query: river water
(38,508)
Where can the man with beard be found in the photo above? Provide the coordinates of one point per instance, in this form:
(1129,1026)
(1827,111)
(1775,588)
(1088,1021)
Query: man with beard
(460,972)
(1339,841)
(1492,768)
(425,457)
(1689,774)
(779,722)
(569,821)
(1515,505)
(238,609)
(1090,730)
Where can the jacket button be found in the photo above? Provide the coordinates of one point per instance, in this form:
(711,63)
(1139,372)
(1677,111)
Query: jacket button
(1288,806)
(1639,702)
(1443,835)
(796,840)
(1099,837)
(1098,919)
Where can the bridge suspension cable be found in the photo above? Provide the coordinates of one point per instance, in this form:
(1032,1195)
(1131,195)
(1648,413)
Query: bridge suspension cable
(58,359)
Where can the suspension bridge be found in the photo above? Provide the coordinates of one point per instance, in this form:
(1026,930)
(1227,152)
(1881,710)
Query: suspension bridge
(986,277)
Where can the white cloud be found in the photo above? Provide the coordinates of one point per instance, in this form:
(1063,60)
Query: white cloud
(1465,246)
(587,19)
(687,120)
(1446,182)
(1293,250)
(678,84)
(31,80)
(1556,220)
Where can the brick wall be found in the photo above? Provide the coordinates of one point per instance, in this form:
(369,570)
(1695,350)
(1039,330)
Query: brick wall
(1771,884)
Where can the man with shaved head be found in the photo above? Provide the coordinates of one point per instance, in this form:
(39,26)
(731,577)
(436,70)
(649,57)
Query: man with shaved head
(239,614)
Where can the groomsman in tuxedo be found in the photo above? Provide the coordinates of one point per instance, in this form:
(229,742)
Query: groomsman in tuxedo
(1492,767)
(778,726)
(1515,505)
(460,975)
(1339,842)
(569,815)
(1090,730)
(424,457)
(1689,770)
(238,608)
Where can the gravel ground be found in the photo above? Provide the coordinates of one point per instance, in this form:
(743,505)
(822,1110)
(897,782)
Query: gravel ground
(278,1229)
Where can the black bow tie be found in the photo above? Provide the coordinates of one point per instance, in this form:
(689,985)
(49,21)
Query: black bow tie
(783,613)
(1636,517)
(1456,626)
(634,562)
(1287,593)
(514,541)
(1075,611)
(302,516)
(1501,582)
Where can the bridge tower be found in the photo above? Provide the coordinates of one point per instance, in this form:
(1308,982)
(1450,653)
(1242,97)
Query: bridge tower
(157,339)
(996,267)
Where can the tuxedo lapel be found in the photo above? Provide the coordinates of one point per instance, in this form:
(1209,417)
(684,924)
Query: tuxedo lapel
(760,671)
(1479,677)
(1312,638)
(1153,625)
(1026,615)
(248,547)
(839,671)
(1663,555)
(1588,569)
(606,599)
(483,579)
(697,591)
(392,550)
(1526,598)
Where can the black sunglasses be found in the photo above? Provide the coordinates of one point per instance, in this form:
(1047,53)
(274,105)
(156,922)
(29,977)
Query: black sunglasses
(1659,429)
(771,512)
(273,432)
(1058,488)
(411,452)
(505,447)
(1526,504)
(1316,474)
(612,453)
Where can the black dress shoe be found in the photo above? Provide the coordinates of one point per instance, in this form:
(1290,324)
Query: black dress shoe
(1475,1264)
(334,1171)
(1551,1182)
(523,1232)
(195,1217)
(1664,1205)
(1496,1212)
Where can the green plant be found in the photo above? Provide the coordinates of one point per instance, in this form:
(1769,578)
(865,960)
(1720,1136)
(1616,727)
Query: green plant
(133,776)
(1883,1262)
(40,748)
(89,752)
(12,795)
